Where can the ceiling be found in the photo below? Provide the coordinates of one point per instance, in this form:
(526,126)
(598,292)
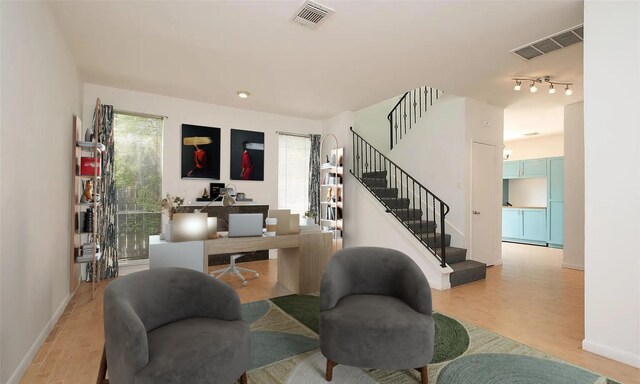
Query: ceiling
(367,51)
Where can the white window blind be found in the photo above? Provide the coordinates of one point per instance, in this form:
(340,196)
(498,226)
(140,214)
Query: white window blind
(293,173)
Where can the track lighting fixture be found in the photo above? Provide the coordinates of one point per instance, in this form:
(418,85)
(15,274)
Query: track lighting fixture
(517,87)
(547,79)
(568,91)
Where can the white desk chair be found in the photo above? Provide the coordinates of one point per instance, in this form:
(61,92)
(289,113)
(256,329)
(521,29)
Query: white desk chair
(234,270)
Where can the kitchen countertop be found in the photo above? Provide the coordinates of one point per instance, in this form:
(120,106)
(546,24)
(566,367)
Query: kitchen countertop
(523,207)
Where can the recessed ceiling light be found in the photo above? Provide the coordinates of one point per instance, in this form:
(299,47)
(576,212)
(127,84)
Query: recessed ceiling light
(243,94)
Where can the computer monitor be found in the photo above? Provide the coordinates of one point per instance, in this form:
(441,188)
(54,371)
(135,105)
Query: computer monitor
(245,224)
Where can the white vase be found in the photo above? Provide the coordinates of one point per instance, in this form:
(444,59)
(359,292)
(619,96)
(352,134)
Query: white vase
(311,221)
(168,231)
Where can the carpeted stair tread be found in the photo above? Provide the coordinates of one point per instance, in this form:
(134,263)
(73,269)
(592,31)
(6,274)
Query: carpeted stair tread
(384,192)
(377,183)
(375,175)
(435,240)
(453,254)
(393,202)
(421,226)
(408,213)
(466,272)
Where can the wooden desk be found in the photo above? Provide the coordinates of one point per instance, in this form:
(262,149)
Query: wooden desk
(301,257)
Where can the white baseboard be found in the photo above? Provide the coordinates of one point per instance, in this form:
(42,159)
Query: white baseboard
(26,360)
(573,266)
(611,353)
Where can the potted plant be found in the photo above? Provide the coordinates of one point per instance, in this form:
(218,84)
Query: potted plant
(169,205)
(311,217)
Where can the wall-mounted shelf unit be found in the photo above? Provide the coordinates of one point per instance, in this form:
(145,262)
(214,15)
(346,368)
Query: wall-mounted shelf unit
(332,193)
(85,206)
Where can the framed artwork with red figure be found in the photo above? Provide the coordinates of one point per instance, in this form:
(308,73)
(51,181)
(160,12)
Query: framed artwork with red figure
(200,152)
(247,155)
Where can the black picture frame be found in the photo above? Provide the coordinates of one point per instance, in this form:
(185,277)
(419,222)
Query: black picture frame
(253,142)
(200,152)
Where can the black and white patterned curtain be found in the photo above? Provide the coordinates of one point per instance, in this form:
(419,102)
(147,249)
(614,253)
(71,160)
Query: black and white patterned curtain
(107,265)
(314,175)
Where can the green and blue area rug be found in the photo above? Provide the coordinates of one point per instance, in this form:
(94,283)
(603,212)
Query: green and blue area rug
(285,350)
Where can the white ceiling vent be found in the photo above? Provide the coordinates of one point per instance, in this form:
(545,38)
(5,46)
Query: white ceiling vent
(549,44)
(311,13)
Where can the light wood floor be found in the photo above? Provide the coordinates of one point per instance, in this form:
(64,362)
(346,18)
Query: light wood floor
(530,299)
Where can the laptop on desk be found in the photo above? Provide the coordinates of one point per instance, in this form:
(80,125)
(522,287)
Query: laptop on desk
(245,224)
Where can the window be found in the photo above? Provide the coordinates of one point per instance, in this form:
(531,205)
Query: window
(293,172)
(138,175)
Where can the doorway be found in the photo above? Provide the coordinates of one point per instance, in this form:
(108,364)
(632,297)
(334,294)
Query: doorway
(483,203)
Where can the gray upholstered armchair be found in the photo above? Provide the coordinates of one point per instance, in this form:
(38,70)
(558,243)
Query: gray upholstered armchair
(174,325)
(375,311)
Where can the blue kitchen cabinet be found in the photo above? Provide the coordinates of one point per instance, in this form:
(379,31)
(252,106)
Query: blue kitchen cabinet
(524,225)
(555,195)
(533,168)
(519,169)
(511,223)
(511,170)
(534,225)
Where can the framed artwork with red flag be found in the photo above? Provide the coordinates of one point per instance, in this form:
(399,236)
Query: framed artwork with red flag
(247,155)
(200,152)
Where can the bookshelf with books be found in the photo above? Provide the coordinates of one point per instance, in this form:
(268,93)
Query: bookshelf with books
(332,195)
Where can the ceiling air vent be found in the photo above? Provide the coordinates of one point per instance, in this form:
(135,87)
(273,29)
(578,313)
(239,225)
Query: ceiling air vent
(311,14)
(549,44)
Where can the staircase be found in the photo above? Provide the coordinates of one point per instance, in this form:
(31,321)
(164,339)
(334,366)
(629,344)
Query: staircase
(420,211)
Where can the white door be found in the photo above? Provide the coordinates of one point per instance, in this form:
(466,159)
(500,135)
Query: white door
(483,203)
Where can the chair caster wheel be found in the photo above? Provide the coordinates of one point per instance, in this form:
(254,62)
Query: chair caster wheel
(245,283)
(257,275)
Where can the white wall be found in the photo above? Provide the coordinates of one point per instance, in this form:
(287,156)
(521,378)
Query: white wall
(371,123)
(180,111)
(40,94)
(434,154)
(536,147)
(612,179)
(437,152)
(365,220)
(522,119)
(528,192)
(573,253)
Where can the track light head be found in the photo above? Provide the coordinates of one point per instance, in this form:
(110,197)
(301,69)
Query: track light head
(568,91)
(517,87)
(551,89)
(533,88)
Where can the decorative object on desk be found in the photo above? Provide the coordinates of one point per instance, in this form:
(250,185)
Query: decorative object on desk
(311,217)
(212,227)
(189,227)
(247,155)
(227,200)
(170,204)
(283,216)
(215,189)
(272,225)
(200,152)
(205,194)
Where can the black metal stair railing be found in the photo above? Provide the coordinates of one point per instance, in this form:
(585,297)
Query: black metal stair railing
(408,110)
(417,208)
